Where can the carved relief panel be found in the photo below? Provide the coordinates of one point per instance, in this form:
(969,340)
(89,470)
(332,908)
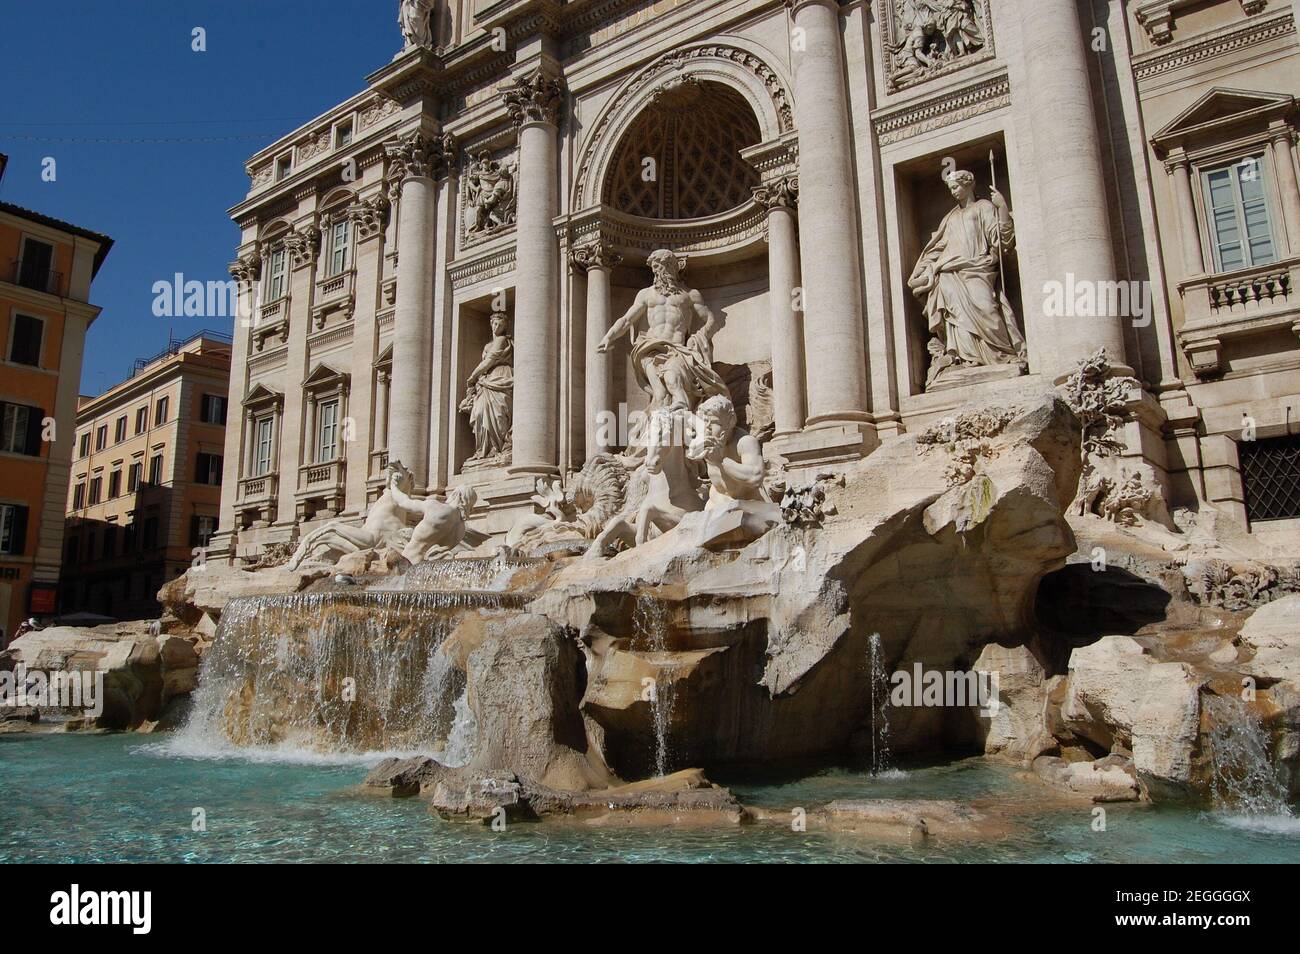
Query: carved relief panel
(925,39)
(488,195)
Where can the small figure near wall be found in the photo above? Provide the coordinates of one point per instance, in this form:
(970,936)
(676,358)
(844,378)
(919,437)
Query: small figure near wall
(489,395)
(959,279)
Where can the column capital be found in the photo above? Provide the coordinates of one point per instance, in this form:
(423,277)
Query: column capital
(594,254)
(246,268)
(534,97)
(795,6)
(1279,130)
(368,216)
(781,193)
(418,155)
(303,244)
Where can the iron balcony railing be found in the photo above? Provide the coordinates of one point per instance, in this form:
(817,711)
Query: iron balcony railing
(27,274)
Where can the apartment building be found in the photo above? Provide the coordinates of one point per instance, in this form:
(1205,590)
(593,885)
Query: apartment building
(146,485)
(46,269)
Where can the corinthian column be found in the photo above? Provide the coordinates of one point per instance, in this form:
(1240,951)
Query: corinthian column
(533,101)
(599,261)
(1066,147)
(415,160)
(1284,162)
(832,284)
(781,198)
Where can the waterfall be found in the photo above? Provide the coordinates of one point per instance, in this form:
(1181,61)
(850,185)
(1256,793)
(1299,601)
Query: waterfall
(1245,786)
(878,682)
(466,573)
(650,622)
(463,734)
(340,672)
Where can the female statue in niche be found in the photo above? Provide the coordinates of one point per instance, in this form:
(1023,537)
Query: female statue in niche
(958,277)
(489,395)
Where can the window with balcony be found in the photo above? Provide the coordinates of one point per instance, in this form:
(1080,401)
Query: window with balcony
(26,334)
(1240,222)
(35,269)
(263,452)
(327,442)
(340,252)
(277,275)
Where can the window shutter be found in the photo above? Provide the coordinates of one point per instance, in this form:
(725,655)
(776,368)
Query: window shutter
(35,416)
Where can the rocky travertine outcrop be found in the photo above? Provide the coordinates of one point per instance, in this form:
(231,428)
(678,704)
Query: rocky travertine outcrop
(762,652)
(195,599)
(143,674)
(1272,634)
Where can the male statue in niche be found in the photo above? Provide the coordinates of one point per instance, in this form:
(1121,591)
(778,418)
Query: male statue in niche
(959,279)
(672,362)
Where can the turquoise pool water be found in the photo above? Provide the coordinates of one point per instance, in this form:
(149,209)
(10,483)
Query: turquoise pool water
(124,798)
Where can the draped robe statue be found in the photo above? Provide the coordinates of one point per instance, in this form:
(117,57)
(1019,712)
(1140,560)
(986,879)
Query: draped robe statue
(672,363)
(958,279)
(489,395)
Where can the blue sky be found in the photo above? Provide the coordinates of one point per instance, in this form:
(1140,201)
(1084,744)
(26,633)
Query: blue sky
(84,70)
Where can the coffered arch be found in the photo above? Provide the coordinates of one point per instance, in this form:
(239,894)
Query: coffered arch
(739,65)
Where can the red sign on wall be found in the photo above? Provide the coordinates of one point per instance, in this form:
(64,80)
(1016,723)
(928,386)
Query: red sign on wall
(42,599)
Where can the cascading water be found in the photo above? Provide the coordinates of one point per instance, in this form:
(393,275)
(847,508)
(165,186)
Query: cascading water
(349,672)
(878,681)
(1245,785)
(650,623)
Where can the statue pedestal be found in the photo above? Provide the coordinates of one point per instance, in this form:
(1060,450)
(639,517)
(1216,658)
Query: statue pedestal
(502,497)
(964,377)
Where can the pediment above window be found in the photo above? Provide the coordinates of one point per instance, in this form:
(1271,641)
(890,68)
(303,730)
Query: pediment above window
(325,378)
(1220,111)
(261,397)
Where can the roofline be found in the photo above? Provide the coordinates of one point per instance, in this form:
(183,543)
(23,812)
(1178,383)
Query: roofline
(105,243)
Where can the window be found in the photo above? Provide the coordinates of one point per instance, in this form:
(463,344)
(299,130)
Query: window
(35,268)
(96,485)
(283,166)
(79,496)
(342,135)
(71,550)
(1270,472)
(276,275)
(90,545)
(84,450)
(339,247)
(149,539)
(110,541)
(212,409)
(1241,229)
(133,477)
(262,456)
(20,429)
(327,444)
(160,412)
(141,419)
(128,538)
(202,527)
(13,529)
(114,484)
(208,470)
(119,430)
(25,340)
(155,469)
(101,437)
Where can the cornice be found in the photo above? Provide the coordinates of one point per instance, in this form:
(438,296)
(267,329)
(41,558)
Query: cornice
(1258,29)
(894,124)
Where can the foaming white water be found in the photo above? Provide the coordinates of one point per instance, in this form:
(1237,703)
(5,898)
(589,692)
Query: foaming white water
(463,736)
(1287,825)
(181,747)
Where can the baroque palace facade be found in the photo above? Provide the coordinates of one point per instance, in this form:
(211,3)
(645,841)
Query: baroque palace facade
(889,207)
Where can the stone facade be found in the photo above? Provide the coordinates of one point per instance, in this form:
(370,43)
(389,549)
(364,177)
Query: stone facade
(525,157)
